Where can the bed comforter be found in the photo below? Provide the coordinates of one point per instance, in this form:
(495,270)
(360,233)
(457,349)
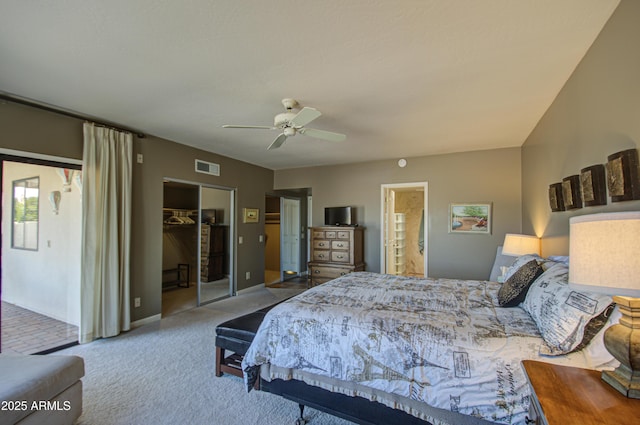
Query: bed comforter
(442,342)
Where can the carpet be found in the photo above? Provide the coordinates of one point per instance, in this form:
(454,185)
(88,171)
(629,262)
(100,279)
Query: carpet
(163,373)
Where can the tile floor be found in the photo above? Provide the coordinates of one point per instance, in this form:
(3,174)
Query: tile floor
(26,332)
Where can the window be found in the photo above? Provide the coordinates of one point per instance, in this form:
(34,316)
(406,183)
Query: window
(25,213)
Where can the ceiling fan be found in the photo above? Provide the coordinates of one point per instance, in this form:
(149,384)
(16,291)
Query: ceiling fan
(290,123)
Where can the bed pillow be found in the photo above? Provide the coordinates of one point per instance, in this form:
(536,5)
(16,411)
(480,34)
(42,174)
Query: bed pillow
(561,313)
(500,261)
(519,262)
(559,258)
(594,326)
(514,290)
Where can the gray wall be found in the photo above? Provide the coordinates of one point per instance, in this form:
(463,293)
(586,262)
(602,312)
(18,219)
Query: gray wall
(491,175)
(29,129)
(596,114)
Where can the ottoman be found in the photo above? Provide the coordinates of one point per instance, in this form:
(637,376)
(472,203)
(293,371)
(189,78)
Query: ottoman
(40,389)
(236,335)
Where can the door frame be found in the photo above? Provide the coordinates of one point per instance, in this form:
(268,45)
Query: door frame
(35,159)
(384,190)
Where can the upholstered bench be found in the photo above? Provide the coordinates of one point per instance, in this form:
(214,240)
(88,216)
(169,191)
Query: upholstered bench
(236,335)
(40,389)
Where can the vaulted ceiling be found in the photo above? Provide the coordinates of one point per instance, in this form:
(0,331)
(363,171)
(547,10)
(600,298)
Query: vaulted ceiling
(399,78)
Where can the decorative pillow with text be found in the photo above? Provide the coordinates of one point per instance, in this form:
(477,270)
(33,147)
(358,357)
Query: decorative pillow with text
(561,313)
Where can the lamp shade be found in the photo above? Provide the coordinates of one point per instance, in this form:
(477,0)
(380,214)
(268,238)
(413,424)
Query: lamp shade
(604,253)
(515,245)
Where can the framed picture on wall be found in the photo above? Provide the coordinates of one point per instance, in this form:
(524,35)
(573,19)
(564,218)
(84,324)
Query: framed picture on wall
(593,183)
(571,192)
(470,218)
(556,202)
(250,215)
(623,181)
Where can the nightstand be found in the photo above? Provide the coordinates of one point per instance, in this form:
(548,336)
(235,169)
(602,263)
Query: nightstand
(570,395)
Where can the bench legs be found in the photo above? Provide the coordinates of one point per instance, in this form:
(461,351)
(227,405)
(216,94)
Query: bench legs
(231,364)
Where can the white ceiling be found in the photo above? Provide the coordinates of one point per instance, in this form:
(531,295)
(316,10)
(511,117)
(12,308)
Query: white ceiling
(400,78)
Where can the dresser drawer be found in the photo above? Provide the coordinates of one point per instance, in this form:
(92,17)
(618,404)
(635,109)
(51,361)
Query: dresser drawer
(319,255)
(344,245)
(328,272)
(343,234)
(340,256)
(321,244)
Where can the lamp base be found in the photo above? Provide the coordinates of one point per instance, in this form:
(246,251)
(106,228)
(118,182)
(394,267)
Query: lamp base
(623,381)
(623,342)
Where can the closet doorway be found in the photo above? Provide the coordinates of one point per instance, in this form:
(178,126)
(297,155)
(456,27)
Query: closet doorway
(282,239)
(197,254)
(404,230)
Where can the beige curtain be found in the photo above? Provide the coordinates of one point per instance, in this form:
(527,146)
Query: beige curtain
(106,232)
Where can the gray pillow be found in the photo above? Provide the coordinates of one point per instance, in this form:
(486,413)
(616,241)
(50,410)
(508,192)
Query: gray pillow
(500,261)
(514,290)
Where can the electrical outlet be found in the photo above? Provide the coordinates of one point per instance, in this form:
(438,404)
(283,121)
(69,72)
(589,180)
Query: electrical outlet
(240,240)
(140,158)
(260,238)
(136,302)
(247,275)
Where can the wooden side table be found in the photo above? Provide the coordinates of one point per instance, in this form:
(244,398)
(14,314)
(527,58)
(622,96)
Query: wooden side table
(563,395)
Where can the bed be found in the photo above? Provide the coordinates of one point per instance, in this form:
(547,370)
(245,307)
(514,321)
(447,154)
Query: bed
(438,351)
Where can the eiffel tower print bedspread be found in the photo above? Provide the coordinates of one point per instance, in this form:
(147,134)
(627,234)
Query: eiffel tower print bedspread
(443,342)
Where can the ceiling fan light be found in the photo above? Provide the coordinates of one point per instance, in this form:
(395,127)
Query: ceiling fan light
(283,118)
(289,131)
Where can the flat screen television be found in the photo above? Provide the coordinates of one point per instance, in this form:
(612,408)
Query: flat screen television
(339,216)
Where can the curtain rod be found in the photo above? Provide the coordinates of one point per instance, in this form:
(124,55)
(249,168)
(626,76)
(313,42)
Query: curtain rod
(60,111)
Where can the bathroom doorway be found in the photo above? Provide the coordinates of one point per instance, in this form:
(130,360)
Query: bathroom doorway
(404,229)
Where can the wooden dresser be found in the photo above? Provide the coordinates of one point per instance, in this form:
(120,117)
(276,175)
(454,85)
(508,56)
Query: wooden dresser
(335,251)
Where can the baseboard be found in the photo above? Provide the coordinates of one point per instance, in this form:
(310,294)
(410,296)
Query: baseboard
(250,289)
(145,321)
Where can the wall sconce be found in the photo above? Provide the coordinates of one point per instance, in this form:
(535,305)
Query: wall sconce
(65,175)
(54,198)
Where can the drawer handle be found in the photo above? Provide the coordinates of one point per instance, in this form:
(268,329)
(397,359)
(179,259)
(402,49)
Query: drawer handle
(321,255)
(340,245)
(316,271)
(340,256)
(343,273)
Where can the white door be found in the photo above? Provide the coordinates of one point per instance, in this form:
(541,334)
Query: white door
(289,236)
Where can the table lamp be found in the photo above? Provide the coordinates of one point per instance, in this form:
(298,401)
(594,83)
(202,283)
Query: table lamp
(604,257)
(516,245)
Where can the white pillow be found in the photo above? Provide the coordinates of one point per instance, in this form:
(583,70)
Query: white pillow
(560,312)
(559,258)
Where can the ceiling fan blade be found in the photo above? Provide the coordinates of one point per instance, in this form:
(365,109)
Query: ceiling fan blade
(321,134)
(304,117)
(278,142)
(260,127)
